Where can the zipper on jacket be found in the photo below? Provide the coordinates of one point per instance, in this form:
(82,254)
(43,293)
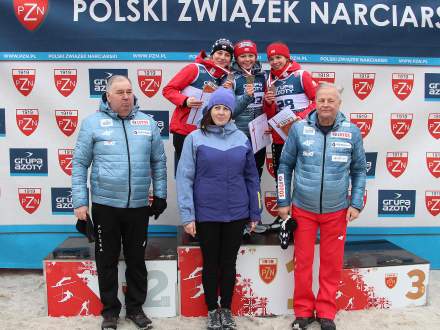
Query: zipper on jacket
(129,165)
(322,173)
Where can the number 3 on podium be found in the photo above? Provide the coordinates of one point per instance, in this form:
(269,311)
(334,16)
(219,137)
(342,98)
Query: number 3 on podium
(419,284)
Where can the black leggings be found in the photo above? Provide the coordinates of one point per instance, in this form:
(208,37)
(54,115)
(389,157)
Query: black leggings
(260,157)
(219,242)
(178,140)
(276,155)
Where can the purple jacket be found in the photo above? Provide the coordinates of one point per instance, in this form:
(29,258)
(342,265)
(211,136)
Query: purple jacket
(216,178)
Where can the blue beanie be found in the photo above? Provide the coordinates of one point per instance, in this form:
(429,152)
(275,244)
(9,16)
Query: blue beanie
(222,96)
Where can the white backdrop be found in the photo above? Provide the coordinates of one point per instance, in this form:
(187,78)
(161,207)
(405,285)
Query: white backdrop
(381,103)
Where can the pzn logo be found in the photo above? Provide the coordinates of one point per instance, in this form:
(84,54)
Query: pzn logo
(432,201)
(67,121)
(65,81)
(270,201)
(364,121)
(24,80)
(402,84)
(401,124)
(363,84)
(397,163)
(65,157)
(31,13)
(27,120)
(149,81)
(434,125)
(433,163)
(30,199)
(324,77)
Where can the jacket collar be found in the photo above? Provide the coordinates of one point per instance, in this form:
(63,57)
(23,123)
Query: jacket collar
(213,69)
(228,129)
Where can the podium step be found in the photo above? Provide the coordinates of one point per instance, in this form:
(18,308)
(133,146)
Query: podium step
(72,280)
(376,274)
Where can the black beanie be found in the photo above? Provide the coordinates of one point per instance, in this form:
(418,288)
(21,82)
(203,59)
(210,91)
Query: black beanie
(223,44)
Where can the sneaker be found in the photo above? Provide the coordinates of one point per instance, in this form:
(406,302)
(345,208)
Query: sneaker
(327,324)
(275,225)
(227,319)
(141,320)
(109,322)
(301,323)
(259,229)
(214,322)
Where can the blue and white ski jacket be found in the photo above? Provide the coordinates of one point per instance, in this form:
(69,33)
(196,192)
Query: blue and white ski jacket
(323,166)
(125,155)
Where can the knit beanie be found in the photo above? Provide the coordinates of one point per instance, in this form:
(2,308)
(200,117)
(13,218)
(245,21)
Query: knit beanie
(222,44)
(222,96)
(245,47)
(278,48)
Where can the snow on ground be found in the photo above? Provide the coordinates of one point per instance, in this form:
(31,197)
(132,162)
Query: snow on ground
(23,306)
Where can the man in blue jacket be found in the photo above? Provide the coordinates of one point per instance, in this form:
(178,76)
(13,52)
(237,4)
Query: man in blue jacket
(325,152)
(126,154)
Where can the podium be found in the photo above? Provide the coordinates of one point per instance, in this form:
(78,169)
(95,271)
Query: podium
(376,274)
(72,279)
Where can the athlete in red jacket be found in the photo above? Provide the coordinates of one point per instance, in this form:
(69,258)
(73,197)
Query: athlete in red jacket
(288,87)
(191,87)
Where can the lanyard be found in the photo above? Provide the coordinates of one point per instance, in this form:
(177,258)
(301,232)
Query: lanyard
(269,80)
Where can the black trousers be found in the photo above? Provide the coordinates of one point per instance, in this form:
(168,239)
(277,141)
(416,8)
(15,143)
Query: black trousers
(219,242)
(260,158)
(113,225)
(178,140)
(276,155)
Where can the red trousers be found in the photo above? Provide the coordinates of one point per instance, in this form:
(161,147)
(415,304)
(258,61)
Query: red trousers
(332,228)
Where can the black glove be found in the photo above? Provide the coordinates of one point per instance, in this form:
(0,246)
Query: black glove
(86,228)
(158,206)
(287,228)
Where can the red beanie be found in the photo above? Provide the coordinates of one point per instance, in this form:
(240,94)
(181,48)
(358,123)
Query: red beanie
(244,47)
(278,48)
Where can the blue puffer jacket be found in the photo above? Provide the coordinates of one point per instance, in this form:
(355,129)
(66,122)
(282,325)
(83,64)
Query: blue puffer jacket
(217,179)
(323,166)
(125,154)
(248,107)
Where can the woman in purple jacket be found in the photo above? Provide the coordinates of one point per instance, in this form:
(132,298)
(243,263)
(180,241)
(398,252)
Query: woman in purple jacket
(218,193)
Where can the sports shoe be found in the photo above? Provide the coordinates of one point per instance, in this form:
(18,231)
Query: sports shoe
(327,324)
(275,225)
(259,229)
(214,322)
(141,320)
(227,319)
(301,323)
(109,322)
(288,226)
